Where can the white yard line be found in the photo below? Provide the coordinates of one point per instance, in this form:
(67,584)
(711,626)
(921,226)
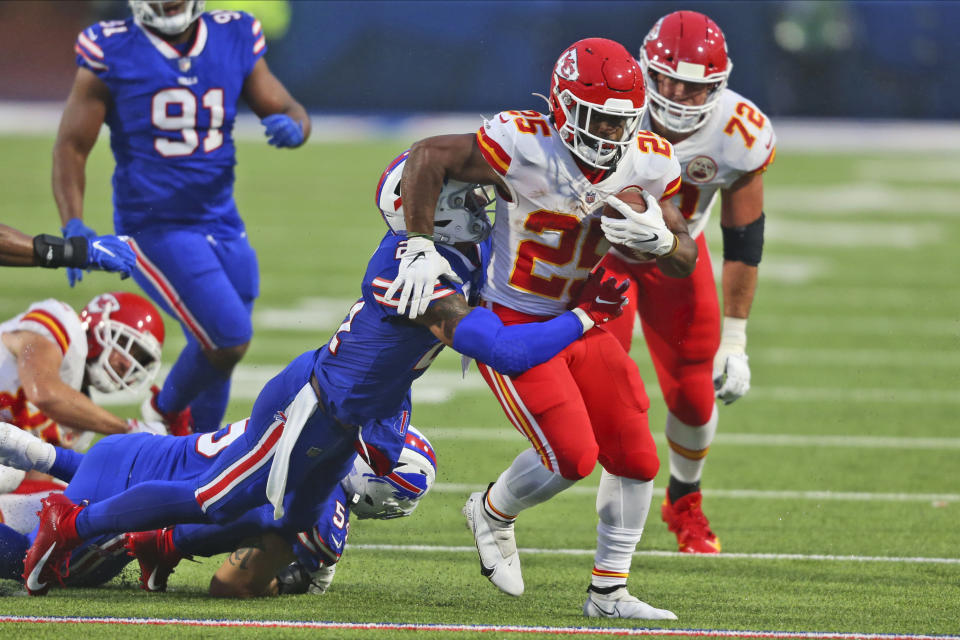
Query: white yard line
(740,439)
(446,628)
(751,494)
(665,554)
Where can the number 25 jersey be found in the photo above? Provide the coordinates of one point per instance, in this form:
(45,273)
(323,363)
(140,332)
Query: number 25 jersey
(547,236)
(171,117)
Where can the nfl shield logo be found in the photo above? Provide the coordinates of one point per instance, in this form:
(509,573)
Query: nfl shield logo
(590,197)
(184,64)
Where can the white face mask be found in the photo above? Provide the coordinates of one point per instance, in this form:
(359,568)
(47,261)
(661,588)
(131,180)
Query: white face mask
(150,14)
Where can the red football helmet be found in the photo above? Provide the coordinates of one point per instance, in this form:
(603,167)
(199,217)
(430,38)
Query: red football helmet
(686,46)
(129,325)
(596,79)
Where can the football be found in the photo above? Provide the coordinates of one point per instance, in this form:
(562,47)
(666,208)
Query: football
(633,197)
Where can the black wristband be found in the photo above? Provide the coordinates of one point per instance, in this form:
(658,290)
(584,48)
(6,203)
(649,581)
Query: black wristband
(293,579)
(52,252)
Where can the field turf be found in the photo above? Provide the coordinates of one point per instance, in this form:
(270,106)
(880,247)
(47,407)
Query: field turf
(834,485)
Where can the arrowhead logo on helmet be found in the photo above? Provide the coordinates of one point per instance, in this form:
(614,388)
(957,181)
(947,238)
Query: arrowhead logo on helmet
(567,66)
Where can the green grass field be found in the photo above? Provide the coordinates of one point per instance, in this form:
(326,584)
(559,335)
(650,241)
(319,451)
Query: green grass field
(828,484)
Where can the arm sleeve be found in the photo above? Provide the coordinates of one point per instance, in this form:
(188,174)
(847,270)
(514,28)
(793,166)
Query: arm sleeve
(513,349)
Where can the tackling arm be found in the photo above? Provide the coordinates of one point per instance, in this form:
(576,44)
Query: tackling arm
(267,96)
(80,125)
(38,364)
(513,349)
(428,164)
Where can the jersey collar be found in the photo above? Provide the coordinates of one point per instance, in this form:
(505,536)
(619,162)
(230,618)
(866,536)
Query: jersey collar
(169,51)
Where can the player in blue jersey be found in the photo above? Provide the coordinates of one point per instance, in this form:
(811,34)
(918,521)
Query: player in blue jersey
(305,560)
(348,396)
(167,82)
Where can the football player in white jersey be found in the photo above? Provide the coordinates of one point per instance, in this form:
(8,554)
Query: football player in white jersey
(50,355)
(724,144)
(554,172)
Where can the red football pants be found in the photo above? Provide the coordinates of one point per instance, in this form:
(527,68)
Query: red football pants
(681,324)
(585,404)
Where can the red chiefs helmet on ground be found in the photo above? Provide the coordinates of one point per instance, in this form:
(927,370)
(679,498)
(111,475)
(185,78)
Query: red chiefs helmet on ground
(130,325)
(596,79)
(686,46)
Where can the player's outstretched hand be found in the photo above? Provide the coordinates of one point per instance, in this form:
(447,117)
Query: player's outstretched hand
(603,298)
(282,130)
(645,232)
(75,227)
(421,267)
(731,368)
(110,253)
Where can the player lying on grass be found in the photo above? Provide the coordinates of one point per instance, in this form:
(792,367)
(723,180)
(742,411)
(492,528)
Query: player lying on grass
(279,560)
(51,357)
(327,405)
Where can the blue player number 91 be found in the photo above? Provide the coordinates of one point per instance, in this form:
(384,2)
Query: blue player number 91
(175,109)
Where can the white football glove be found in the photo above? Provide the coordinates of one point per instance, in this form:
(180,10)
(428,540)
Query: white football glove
(421,266)
(645,232)
(731,371)
(321,578)
(147,426)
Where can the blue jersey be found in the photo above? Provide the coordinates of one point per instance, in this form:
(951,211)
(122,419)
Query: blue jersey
(171,117)
(117,463)
(367,368)
(323,543)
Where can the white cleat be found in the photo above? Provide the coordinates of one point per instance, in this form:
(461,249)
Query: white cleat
(499,560)
(620,604)
(24,451)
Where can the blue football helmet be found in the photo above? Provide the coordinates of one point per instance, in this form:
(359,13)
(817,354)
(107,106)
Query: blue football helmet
(396,494)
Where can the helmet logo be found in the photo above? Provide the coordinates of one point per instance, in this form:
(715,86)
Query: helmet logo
(567,67)
(104,304)
(702,169)
(654,32)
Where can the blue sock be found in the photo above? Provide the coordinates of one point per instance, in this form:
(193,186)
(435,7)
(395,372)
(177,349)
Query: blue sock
(65,464)
(143,507)
(210,405)
(196,383)
(13,547)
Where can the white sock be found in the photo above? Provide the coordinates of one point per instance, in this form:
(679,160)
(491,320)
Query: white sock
(524,484)
(622,506)
(22,450)
(42,455)
(689,446)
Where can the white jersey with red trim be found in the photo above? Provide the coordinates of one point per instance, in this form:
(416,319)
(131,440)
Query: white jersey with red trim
(737,139)
(59,323)
(547,237)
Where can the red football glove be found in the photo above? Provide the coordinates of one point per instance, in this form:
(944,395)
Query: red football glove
(601,299)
